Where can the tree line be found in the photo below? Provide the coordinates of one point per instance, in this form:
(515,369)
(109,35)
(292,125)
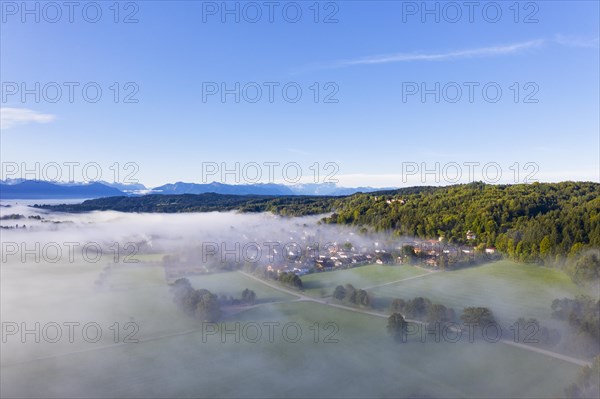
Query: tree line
(290,205)
(347,293)
(423,309)
(287,278)
(546,223)
(583,316)
(198,303)
(203,304)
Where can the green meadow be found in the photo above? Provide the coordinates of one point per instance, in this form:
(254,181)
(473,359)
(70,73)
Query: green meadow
(509,289)
(323,283)
(327,352)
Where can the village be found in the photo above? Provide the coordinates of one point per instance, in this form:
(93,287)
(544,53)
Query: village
(300,258)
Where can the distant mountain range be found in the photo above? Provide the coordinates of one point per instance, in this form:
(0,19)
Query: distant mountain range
(329,189)
(220,188)
(34,189)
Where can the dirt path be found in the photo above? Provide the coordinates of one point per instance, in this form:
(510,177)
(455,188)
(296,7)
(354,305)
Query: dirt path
(548,353)
(579,362)
(429,273)
(233,310)
(426,269)
(299,298)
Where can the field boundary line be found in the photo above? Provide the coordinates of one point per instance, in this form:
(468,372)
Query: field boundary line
(401,280)
(573,360)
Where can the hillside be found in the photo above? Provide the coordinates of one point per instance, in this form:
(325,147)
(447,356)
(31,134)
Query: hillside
(207,202)
(528,222)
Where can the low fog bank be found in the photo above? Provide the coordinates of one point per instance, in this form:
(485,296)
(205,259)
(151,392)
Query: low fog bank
(171,359)
(169,233)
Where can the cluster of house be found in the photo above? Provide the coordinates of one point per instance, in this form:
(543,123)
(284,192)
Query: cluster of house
(435,254)
(298,270)
(335,257)
(342,260)
(324,259)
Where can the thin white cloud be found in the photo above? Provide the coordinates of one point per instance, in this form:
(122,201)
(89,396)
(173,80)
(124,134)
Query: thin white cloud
(477,52)
(438,56)
(492,51)
(11,117)
(576,41)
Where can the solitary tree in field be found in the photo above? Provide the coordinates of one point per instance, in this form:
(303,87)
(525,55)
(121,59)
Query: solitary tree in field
(208,308)
(417,308)
(480,316)
(248,296)
(339,293)
(396,327)
(397,305)
(362,298)
(350,293)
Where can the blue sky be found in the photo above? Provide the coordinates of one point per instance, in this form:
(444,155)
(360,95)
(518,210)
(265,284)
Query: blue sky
(370,57)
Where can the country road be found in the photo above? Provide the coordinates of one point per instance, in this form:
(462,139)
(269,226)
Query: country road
(299,298)
(579,362)
(312,299)
(429,273)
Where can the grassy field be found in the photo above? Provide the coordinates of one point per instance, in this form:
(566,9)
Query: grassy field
(66,293)
(232,284)
(364,362)
(177,358)
(511,290)
(323,284)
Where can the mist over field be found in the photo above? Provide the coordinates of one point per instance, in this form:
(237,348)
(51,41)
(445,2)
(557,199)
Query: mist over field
(126,337)
(166,233)
(299,199)
(61,294)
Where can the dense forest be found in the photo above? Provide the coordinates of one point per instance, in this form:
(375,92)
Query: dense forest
(208,202)
(552,223)
(545,223)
